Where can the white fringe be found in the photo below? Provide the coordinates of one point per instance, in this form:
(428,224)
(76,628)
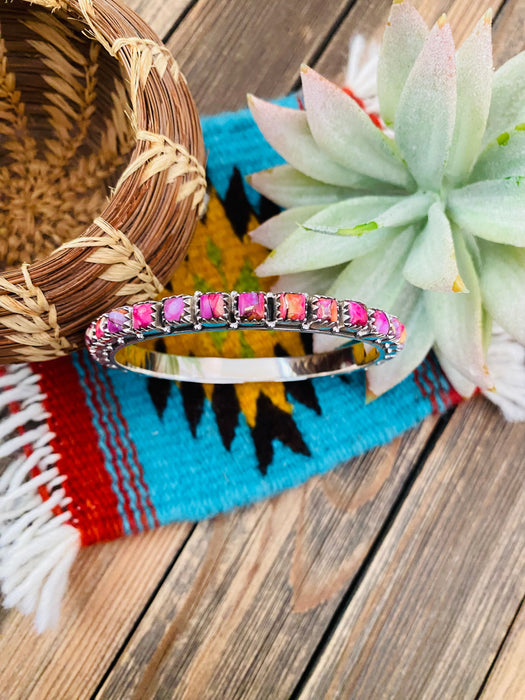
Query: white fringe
(506,363)
(361,70)
(37,547)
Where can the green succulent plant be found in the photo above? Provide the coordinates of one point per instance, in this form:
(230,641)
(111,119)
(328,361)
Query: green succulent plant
(429,223)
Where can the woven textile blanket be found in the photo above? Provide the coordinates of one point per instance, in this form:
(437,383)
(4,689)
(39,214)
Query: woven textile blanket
(90,454)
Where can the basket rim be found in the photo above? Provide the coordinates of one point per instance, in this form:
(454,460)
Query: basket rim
(124,35)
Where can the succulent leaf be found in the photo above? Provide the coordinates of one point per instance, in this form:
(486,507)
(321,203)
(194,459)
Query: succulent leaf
(502,273)
(507,107)
(349,213)
(287,131)
(420,338)
(403,40)
(307,250)
(461,384)
(474,88)
(376,278)
(427,108)
(431,263)
(503,157)
(435,230)
(457,322)
(276,229)
(491,209)
(312,282)
(347,135)
(406,211)
(287,187)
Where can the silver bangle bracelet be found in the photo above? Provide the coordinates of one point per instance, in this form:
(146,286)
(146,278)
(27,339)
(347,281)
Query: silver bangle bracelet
(372,335)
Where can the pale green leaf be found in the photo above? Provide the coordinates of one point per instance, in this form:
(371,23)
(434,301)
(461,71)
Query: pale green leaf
(461,384)
(503,286)
(491,209)
(458,323)
(275,230)
(346,133)
(410,309)
(427,108)
(311,282)
(376,278)
(287,187)
(287,131)
(474,87)
(308,250)
(507,106)
(431,263)
(403,39)
(503,157)
(407,211)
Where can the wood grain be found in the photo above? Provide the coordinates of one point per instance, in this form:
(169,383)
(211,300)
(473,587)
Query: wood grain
(244,606)
(160,15)
(268,597)
(109,586)
(442,590)
(507,679)
(227,49)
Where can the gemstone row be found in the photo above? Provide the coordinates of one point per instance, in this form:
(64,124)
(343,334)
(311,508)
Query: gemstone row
(251,308)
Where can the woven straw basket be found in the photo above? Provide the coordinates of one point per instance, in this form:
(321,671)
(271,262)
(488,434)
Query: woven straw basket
(101,169)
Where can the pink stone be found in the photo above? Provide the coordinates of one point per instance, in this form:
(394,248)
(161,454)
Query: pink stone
(327,309)
(357,313)
(142,315)
(251,306)
(212,306)
(99,327)
(292,307)
(116,320)
(399,329)
(173,308)
(381,322)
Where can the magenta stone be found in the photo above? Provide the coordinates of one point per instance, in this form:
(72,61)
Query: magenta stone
(381,322)
(142,315)
(211,306)
(399,329)
(327,309)
(357,313)
(99,327)
(292,307)
(173,308)
(251,306)
(116,320)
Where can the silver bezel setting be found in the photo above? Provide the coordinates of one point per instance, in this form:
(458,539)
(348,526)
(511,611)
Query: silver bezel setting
(287,323)
(239,322)
(317,323)
(126,326)
(209,323)
(185,319)
(105,348)
(360,331)
(154,325)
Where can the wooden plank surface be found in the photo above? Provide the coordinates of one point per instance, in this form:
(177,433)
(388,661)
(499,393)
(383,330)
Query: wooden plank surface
(244,607)
(507,678)
(260,603)
(109,586)
(189,652)
(441,592)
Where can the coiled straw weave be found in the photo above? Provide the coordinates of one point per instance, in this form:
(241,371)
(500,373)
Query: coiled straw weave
(101,169)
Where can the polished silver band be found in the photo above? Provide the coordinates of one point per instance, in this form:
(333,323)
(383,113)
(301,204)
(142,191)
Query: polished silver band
(372,335)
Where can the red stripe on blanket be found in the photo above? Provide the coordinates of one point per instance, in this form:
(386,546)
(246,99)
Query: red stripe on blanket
(105,417)
(88,483)
(129,454)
